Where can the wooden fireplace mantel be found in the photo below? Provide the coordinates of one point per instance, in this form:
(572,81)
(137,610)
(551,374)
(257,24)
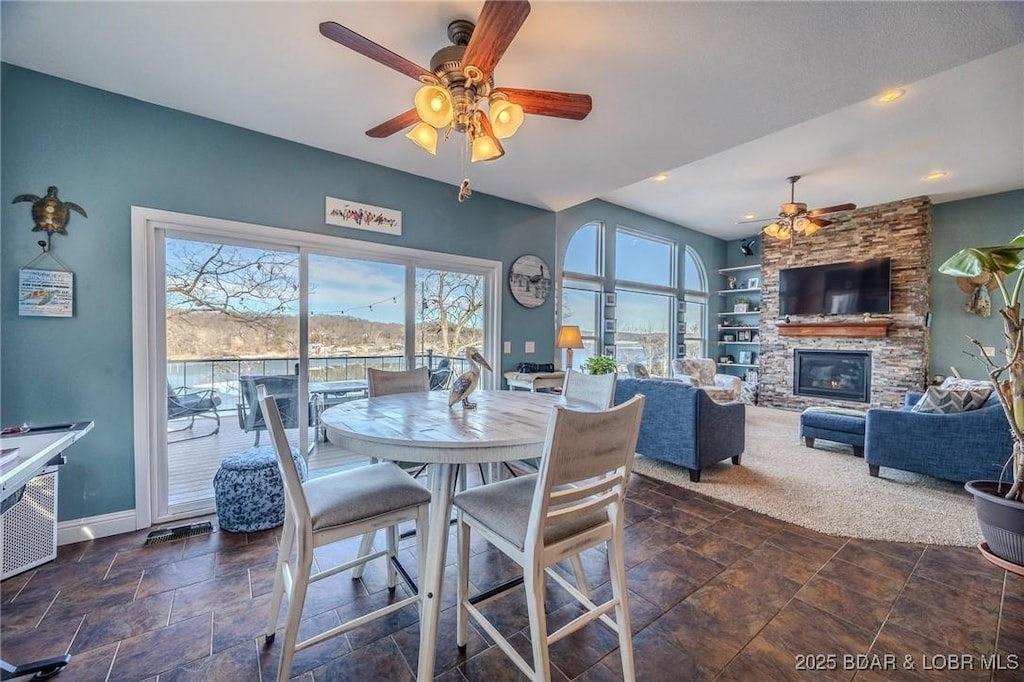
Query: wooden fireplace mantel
(866,328)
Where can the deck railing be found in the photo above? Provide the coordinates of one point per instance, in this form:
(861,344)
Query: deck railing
(221,374)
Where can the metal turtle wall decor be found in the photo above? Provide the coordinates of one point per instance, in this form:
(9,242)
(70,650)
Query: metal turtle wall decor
(49,213)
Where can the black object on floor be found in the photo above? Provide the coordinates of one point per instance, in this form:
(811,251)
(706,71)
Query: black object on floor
(179,532)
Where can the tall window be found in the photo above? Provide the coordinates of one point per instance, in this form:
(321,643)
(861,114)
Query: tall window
(645,288)
(695,285)
(581,288)
(656,311)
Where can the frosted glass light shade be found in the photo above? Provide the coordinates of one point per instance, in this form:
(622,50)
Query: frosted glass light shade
(424,136)
(506,117)
(434,105)
(485,149)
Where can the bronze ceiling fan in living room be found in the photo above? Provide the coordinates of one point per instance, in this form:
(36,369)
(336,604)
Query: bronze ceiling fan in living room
(795,218)
(458,92)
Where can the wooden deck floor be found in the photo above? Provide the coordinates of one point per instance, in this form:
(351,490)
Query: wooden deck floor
(192,462)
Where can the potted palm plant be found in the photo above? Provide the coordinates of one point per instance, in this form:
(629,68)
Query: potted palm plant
(1000,508)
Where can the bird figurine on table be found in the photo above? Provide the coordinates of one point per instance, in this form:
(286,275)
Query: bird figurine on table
(49,213)
(467,381)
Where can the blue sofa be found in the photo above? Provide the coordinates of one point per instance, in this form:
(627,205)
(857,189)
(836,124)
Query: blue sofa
(954,447)
(682,425)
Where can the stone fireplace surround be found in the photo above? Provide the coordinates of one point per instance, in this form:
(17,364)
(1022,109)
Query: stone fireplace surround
(900,230)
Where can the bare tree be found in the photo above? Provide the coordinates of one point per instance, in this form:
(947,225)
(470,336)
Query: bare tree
(244,284)
(450,305)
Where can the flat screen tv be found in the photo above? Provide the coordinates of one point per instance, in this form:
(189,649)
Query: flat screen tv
(836,289)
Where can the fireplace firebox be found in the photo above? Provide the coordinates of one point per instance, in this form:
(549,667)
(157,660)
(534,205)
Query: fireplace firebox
(838,374)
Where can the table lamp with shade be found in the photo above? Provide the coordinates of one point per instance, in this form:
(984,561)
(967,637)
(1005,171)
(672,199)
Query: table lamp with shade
(569,337)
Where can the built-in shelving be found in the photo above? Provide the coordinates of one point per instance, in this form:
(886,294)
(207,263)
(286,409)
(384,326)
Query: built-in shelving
(743,324)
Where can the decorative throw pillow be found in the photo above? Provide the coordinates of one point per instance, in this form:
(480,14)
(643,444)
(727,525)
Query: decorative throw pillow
(951,401)
(641,372)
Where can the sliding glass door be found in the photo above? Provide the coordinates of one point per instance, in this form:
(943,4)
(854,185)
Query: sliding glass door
(231,324)
(230,308)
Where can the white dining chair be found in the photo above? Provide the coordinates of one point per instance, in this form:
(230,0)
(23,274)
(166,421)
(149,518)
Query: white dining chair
(573,504)
(597,390)
(329,509)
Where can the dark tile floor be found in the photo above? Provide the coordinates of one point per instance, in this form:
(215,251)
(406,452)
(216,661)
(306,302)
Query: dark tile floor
(717,592)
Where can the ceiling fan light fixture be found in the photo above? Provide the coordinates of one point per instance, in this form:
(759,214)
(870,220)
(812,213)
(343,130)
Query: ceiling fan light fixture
(434,105)
(424,136)
(506,117)
(772,230)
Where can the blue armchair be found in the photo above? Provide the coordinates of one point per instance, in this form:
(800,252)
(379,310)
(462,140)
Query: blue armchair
(682,425)
(954,447)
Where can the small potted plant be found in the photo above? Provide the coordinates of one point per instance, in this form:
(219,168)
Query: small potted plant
(600,364)
(1000,508)
(741,305)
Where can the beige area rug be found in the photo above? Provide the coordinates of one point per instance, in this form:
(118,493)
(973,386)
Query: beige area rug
(828,489)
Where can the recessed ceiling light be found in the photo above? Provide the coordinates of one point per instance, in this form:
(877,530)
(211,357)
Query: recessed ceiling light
(935,175)
(661,177)
(891,95)
(749,216)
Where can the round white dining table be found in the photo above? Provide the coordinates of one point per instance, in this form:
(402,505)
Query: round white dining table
(420,427)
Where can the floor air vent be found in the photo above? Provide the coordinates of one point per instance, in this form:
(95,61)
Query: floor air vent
(179,532)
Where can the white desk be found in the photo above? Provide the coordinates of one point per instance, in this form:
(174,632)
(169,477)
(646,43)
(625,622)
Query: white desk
(420,427)
(28,453)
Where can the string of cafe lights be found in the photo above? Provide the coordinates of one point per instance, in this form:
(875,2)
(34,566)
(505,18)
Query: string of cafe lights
(369,306)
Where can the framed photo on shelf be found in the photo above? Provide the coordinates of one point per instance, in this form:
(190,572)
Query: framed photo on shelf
(743,335)
(609,326)
(751,377)
(609,299)
(754,283)
(728,338)
(746,357)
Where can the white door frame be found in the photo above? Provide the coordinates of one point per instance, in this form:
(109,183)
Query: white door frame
(149,399)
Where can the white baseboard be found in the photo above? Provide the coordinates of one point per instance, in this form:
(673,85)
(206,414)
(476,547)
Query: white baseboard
(95,527)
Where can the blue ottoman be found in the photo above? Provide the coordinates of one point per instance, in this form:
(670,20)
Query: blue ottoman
(249,491)
(837,424)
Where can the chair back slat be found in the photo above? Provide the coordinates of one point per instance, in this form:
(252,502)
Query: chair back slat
(384,382)
(295,497)
(592,452)
(593,389)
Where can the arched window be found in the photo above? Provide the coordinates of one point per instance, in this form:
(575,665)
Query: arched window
(695,296)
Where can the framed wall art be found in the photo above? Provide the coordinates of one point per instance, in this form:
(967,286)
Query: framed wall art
(609,326)
(609,299)
(529,280)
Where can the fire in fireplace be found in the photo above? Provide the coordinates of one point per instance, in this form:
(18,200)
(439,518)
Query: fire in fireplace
(839,374)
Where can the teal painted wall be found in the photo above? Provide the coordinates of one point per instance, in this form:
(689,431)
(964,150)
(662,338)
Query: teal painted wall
(107,152)
(984,221)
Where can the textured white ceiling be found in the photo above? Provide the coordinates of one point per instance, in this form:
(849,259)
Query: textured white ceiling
(727,98)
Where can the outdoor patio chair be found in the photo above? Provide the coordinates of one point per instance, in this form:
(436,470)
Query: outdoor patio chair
(284,388)
(573,504)
(185,403)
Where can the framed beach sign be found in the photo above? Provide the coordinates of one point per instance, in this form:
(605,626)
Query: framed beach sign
(45,293)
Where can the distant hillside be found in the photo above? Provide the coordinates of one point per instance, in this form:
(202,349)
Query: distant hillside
(196,335)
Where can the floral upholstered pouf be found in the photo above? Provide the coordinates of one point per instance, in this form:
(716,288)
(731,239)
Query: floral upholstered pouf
(249,490)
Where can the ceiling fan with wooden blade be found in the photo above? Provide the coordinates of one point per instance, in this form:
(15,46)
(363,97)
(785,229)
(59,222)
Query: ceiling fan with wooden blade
(795,218)
(458,92)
